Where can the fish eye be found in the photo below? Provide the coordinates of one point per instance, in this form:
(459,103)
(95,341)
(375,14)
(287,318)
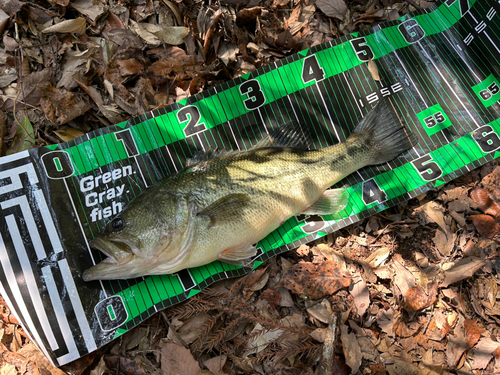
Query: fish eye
(117,224)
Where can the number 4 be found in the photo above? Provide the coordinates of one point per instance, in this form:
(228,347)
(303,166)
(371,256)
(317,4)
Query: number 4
(311,70)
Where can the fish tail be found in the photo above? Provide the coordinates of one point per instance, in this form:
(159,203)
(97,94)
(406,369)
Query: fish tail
(384,133)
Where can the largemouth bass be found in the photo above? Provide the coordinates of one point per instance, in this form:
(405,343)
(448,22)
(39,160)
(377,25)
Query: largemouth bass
(222,204)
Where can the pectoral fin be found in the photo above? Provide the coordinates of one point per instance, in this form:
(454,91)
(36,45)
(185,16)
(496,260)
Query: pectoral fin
(332,201)
(225,209)
(239,256)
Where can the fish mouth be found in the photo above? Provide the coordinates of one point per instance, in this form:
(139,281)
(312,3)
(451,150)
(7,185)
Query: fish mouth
(118,255)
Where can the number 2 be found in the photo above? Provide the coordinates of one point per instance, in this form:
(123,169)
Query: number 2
(191,114)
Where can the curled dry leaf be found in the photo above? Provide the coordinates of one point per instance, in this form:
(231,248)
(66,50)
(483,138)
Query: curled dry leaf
(316,281)
(155,34)
(457,343)
(486,226)
(176,359)
(372,67)
(485,203)
(360,293)
(76,26)
(260,341)
(462,269)
(352,350)
(93,9)
(417,298)
(483,352)
(333,8)
(125,365)
(67,133)
(59,105)
(472,332)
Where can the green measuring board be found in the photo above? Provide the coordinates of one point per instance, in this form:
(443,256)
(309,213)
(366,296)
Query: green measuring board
(440,66)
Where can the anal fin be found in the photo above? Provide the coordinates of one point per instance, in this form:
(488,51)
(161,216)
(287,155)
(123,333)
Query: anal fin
(332,201)
(239,256)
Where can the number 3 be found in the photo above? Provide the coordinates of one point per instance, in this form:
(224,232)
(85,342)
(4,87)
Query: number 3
(254,94)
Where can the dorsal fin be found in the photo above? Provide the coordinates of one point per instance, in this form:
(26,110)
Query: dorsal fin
(290,134)
(206,155)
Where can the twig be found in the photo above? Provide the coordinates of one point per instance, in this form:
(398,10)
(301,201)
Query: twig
(326,363)
(165,319)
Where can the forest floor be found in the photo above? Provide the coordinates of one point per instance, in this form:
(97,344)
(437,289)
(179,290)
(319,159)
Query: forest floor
(411,290)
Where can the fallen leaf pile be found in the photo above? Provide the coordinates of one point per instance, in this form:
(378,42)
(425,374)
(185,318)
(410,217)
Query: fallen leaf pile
(412,290)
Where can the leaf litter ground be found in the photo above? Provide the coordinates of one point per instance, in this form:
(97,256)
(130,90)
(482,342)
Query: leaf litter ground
(412,290)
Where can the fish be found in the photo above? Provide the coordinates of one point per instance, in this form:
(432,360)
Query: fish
(223,203)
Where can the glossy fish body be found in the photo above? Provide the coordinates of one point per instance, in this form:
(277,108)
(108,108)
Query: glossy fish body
(217,208)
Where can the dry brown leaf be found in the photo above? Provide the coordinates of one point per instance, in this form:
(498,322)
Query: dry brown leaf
(176,360)
(191,329)
(319,334)
(403,278)
(485,203)
(93,9)
(260,341)
(60,105)
(333,8)
(417,298)
(457,343)
(155,34)
(486,226)
(491,288)
(76,26)
(126,366)
(445,241)
(100,369)
(352,350)
(67,134)
(4,18)
(372,67)
(36,356)
(8,369)
(385,320)
(398,366)
(316,281)
(321,311)
(215,364)
(472,332)
(462,269)
(360,293)
(483,352)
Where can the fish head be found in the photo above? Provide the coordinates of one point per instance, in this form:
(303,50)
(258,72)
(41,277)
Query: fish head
(148,236)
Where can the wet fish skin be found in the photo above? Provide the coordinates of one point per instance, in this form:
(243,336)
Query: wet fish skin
(217,208)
